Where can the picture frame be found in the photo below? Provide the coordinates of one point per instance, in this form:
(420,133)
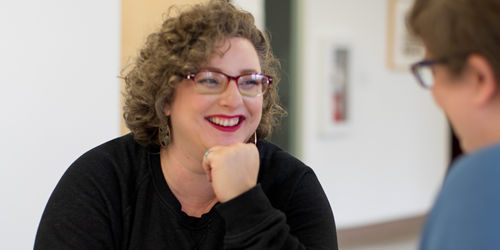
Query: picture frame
(403,48)
(334,111)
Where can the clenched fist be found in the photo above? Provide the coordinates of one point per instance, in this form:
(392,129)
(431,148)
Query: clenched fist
(232,169)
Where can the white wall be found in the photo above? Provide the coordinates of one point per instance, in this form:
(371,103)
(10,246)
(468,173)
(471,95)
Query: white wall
(390,161)
(256,8)
(59,97)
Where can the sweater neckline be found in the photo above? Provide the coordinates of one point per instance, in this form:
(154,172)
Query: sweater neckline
(169,199)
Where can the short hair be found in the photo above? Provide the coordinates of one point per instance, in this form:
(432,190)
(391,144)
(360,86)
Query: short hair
(454,29)
(181,44)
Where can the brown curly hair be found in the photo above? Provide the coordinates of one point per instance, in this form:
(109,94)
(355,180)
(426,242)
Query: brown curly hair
(181,44)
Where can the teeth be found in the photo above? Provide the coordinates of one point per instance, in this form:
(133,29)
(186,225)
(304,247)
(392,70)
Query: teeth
(225,122)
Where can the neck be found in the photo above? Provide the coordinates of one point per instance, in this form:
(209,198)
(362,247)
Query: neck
(187,180)
(487,128)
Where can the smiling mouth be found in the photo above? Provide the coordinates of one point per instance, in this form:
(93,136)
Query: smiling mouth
(225,122)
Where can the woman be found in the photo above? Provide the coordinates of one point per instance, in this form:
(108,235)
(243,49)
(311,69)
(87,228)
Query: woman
(185,178)
(462,71)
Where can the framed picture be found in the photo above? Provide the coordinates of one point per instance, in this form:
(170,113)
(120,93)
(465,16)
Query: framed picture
(403,48)
(334,108)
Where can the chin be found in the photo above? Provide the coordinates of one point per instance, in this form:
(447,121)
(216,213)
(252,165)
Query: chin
(228,141)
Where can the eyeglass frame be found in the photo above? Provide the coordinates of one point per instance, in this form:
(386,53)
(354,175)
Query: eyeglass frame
(424,63)
(192,75)
(429,63)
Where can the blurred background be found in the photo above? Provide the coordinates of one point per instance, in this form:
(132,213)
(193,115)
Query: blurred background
(375,139)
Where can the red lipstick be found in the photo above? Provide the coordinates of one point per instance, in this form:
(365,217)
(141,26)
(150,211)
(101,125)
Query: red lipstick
(212,121)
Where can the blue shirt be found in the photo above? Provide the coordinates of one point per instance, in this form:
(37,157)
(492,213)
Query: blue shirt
(466,214)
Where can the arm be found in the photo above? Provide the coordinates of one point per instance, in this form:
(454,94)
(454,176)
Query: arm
(251,220)
(253,223)
(79,213)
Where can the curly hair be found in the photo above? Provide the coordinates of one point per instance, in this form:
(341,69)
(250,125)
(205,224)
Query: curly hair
(181,44)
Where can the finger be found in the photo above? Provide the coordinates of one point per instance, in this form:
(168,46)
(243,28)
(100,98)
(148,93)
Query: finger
(209,175)
(206,166)
(208,171)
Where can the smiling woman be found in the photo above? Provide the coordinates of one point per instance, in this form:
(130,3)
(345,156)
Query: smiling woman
(202,118)
(188,177)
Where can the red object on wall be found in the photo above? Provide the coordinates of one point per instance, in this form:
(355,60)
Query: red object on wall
(338,107)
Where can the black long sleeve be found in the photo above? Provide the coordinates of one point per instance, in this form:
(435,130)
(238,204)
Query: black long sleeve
(253,223)
(115,197)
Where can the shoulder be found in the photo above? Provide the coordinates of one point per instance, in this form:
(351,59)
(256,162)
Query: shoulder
(270,152)
(112,163)
(93,196)
(120,151)
(473,181)
(484,158)
(468,204)
(281,173)
(118,147)
(274,159)
(476,172)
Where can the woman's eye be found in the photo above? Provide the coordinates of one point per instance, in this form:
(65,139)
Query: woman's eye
(248,84)
(208,81)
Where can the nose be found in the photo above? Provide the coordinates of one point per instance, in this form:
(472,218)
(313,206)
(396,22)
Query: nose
(231,97)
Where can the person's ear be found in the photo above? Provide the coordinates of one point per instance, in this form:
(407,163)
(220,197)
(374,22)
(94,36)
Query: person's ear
(483,79)
(166,110)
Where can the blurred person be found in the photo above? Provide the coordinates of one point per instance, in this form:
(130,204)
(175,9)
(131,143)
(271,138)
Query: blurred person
(462,69)
(195,171)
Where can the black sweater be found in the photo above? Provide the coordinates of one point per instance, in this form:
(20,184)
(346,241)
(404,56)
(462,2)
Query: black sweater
(115,197)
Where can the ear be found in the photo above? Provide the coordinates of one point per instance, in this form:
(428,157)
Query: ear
(483,78)
(166,110)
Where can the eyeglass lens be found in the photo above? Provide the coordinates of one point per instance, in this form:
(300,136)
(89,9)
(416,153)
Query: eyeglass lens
(426,76)
(213,82)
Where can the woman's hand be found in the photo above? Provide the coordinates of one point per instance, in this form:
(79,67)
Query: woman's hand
(232,169)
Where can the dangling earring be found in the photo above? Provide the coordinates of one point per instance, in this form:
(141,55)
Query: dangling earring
(164,135)
(255,138)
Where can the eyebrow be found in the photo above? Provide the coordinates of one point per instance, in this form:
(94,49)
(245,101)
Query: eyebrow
(245,71)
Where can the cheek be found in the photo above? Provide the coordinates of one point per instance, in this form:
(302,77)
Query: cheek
(436,95)
(188,106)
(254,106)
(439,92)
